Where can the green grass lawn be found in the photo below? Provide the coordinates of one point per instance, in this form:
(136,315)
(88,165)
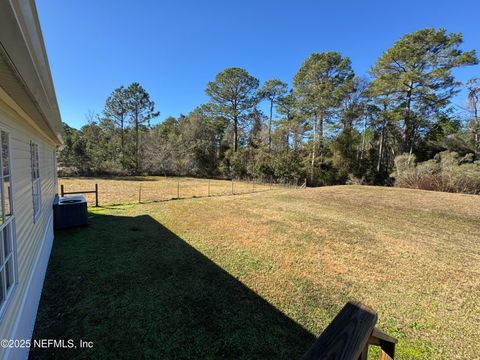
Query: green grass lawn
(259,276)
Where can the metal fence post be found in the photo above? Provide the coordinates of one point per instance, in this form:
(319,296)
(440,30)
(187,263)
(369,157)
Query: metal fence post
(232,186)
(208,187)
(62,190)
(140,194)
(178,189)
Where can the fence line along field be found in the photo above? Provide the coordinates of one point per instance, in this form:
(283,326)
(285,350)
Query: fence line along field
(156,188)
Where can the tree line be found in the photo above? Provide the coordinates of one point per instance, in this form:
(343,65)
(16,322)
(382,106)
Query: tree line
(329,126)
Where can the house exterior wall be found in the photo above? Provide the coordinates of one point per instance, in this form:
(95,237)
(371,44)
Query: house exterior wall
(28,112)
(33,238)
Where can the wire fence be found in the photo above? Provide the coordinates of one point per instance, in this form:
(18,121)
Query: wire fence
(113,191)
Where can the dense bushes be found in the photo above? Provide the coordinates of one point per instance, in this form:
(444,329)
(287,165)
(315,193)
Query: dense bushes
(447,171)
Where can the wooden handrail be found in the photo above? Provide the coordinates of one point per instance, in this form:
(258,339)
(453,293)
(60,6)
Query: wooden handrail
(349,335)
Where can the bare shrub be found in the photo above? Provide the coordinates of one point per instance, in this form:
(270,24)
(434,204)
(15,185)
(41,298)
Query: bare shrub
(67,171)
(446,172)
(353,180)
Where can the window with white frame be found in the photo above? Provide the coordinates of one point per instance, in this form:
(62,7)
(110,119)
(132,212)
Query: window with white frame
(7,225)
(36,185)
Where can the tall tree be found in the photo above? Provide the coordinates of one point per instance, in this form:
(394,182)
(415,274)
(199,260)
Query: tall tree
(141,111)
(473,97)
(349,144)
(353,105)
(273,90)
(416,73)
(232,95)
(321,83)
(291,121)
(116,109)
(255,135)
(65,151)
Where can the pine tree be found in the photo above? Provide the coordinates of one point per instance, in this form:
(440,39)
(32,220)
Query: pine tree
(416,75)
(232,95)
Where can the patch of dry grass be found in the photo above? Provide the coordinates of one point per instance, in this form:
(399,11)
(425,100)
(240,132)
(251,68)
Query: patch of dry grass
(412,255)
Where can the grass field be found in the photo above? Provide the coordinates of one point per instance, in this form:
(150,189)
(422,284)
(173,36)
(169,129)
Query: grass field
(157,188)
(261,275)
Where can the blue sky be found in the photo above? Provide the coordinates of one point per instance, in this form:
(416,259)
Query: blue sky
(173,48)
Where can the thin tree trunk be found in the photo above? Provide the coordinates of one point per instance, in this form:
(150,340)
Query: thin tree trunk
(122,142)
(320,126)
(363,137)
(381,150)
(312,175)
(320,133)
(406,129)
(288,140)
(137,143)
(299,134)
(270,127)
(476,141)
(476,125)
(235,134)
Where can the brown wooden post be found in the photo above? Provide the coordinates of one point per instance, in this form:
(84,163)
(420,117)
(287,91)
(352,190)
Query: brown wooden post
(62,190)
(387,350)
(178,189)
(96,195)
(385,356)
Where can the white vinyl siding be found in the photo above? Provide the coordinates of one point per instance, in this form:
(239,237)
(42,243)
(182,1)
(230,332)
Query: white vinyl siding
(29,236)
(36,185)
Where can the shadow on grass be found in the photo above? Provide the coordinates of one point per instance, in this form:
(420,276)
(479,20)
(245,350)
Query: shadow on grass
(137,291)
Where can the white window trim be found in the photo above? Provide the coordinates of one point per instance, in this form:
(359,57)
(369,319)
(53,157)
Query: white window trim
(36,182)
(55,175)
(10,223)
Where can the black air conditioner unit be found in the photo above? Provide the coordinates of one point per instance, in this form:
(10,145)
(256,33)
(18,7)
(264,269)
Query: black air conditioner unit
(69,211)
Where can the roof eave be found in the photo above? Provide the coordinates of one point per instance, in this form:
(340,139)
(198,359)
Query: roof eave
(25,73)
